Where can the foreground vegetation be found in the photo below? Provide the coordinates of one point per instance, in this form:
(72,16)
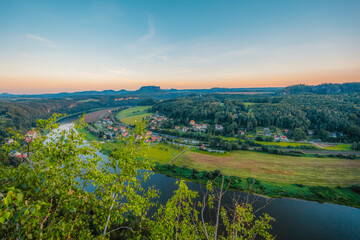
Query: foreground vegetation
(61,189)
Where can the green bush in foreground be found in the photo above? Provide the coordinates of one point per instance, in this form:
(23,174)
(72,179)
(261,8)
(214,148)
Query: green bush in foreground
(62,189)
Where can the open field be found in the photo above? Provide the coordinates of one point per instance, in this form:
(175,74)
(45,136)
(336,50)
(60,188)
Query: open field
(163,153)
(229,138)
(132,119)
(133,111)
(339,147)
(88,100)
(284,144)
(249,104)
(131,115)
(277,168)
(88,135)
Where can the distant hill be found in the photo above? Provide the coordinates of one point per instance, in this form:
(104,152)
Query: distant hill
(326,88)
(147,90)
(150,89)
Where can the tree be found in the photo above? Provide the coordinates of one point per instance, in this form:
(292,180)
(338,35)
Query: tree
(63,189)
(183,218)
(299,134)
(60,188)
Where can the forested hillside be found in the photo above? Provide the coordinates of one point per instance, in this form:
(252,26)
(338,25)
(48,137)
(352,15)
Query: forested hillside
(22,114)
(326,88)
(324,115)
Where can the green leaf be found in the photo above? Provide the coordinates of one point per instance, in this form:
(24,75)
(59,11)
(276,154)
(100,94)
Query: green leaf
(19,197)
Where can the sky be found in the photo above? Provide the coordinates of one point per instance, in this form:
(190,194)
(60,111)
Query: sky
(74,45)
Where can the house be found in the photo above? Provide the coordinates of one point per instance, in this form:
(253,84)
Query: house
(177,127)
(241,132)
(110,127)
(284,138)
(310,132)
(10,141)
(286,131)
(192,122)
(202,147)
(196,127)
(185,129)
(219,127)
(152,128)
(115,129)
(204,126)
(333,135)
(123,129)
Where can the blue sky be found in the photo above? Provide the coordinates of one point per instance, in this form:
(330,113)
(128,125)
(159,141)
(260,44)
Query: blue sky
(51,46)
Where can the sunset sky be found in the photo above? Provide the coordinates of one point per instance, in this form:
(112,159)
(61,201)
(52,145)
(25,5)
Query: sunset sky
(71,45)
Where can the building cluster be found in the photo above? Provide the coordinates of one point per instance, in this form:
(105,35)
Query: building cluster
(265,132)
(113,132)
(280,138)
(198,127)
(156,121)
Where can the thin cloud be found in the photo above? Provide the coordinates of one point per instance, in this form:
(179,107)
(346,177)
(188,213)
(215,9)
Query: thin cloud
(32,56)
(151,32)
(41,40)
(120,71)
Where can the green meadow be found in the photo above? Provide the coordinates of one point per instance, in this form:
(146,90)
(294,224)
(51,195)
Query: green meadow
(131,115)
(276,168)
(133,111)
(162,153)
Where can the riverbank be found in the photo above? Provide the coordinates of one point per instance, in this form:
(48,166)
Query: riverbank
(337,195)
(271,173)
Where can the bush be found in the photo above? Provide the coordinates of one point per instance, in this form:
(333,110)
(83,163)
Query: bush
(355,188)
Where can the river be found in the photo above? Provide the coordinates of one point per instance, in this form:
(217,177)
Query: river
(295,219)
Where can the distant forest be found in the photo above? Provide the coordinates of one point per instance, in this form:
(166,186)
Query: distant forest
(324,109)
(22,114)
(324,115)
(326,88)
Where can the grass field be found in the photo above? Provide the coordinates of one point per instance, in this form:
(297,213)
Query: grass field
(249,103)
(163,153)
(133,111)
(229,138)
(284,144)
(131,115)
(276,168)
(88,135)
(340,147)
(88,100)
(132,119)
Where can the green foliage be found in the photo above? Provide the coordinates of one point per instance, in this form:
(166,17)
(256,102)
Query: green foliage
(183,218)
(47,195)
(61,188)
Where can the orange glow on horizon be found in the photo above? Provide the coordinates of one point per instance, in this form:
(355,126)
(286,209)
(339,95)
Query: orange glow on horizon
(21,85)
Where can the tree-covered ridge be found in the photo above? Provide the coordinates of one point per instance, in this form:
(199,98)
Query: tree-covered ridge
(22,114)
(339,114)
(326,88)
